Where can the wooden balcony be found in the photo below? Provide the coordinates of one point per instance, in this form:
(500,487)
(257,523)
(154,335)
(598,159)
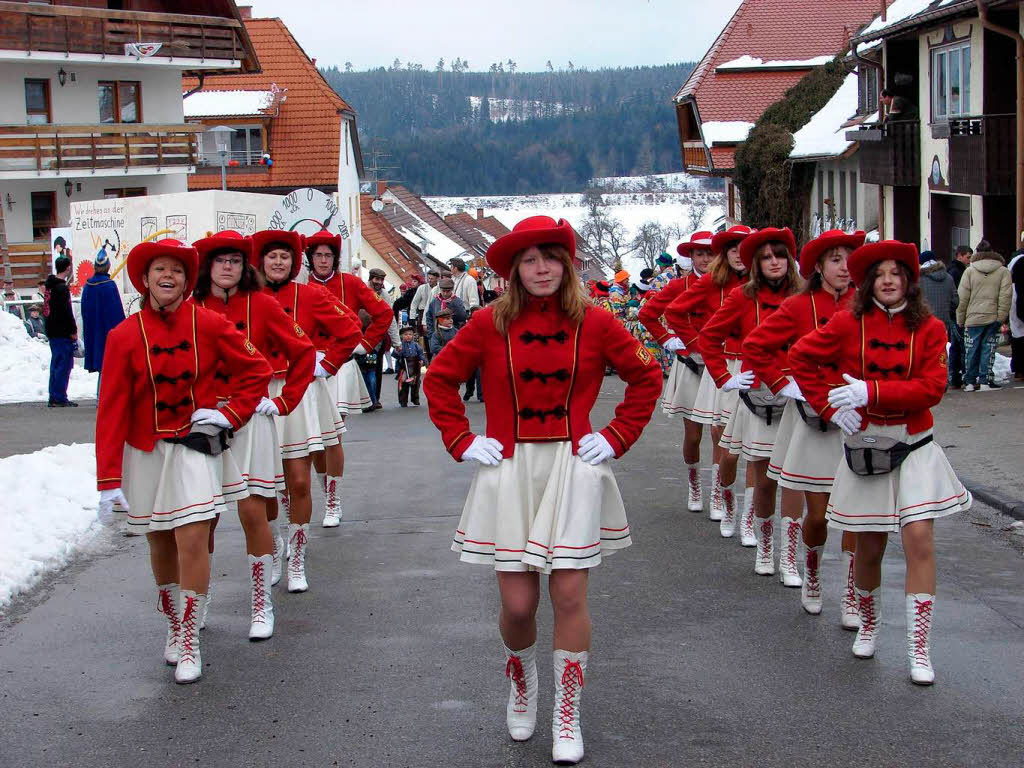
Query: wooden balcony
(890,154)
(71,150)
(66,29)
(695,155)
(982,155)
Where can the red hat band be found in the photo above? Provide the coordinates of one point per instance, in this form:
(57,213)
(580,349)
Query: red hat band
(229,239)
(722,241)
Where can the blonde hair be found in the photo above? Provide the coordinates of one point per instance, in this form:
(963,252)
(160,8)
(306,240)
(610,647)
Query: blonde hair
(570,293)
(792,279)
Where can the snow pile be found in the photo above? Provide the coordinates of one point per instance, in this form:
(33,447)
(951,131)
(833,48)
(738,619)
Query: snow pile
(753,62)
(49,513)
(656,182)
(824,134)
(725,131)
(227,103)
(895,13)
(25,367)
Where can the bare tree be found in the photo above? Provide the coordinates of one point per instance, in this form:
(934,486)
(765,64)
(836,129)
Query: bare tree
(696,212)
(604,235)
(348,66)
(649,243)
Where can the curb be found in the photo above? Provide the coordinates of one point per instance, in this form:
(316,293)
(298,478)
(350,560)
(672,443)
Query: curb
(994,498)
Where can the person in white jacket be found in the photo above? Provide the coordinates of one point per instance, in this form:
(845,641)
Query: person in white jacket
(465,285)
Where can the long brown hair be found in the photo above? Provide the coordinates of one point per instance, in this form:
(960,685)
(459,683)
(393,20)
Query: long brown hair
(720,268)
(916,311)
(814,283)
(249,282)
(792,280)
(570,293)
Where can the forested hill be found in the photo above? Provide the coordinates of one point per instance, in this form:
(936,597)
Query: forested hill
(451,131)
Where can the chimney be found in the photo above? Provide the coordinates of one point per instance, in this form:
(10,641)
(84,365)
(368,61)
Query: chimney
(479,214)
(885,7)
(313,60)
(245,12)
(382,187)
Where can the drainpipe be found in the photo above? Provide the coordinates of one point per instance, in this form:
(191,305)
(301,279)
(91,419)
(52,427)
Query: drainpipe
(199,87)
(862,62)
(1016,36)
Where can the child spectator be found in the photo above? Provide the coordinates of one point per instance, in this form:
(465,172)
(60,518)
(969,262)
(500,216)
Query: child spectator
(444,332)
(409,360)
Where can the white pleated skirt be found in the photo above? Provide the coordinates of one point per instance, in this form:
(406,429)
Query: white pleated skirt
(349,388)
(258,456)
(804,459)
(172,486)
(685,385)
(300,433)
(540,510)
(923,488)
(749,435)
(711,405)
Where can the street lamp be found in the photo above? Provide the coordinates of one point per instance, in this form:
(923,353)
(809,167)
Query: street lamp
(222,139)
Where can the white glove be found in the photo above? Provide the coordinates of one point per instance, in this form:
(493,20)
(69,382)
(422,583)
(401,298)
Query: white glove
(853,395)
(108,499)
(674,345)
(267,407)
(792,391)
(595,449)
(359,350)
(319,370)
(485,450)
(848,421)
(740,381)
(211,416)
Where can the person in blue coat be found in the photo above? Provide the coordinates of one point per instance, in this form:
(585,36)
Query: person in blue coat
(101,311)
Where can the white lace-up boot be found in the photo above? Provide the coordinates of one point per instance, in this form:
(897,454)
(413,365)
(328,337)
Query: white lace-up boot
(276,556)
(764,533)
(521,712)
(850,614)
(717,506)
(167,599)
(694,489)
(209,597)
(332,506)
(190,662)
(298,541)
(870,610)
(284,517)
(789,571)
(567,739)
(919,629)
(747,538)
(810,590)
(262,622)
(727,526)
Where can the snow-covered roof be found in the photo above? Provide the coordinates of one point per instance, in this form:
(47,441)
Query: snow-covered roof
(753,62)
(824,135)
(227,103)
(725,131)
(902,11)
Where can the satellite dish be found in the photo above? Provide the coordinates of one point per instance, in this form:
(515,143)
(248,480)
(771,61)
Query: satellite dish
(377,205)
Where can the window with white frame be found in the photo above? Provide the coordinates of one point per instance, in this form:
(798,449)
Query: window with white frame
(951,81)
(246,146)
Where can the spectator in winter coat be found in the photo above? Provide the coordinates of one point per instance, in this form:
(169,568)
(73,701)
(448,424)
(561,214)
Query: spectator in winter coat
(446,299)
(465,285)
(985,291)
(939,292)
(1016,267)
(62,331)
(961,261)
(444,332)
(34,323)
(101,312)
(409,361)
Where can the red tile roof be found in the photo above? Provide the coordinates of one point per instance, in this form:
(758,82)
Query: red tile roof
(399,253)
(305,137)
(428,215)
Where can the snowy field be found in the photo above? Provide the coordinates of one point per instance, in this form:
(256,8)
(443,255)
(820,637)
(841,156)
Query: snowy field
(25,367)
(48,516)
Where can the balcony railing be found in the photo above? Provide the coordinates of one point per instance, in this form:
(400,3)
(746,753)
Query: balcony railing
(72,149)
(695,154)
(75,29)
(890,154)
(982,155)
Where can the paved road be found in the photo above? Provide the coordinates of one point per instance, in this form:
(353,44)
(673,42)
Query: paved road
(393,659)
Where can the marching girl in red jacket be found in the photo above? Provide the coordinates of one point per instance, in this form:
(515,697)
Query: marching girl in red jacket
(807,449)
(769,255)
(229,285)
(313,424)
(891,353)
(686,315)
(544,500)
(323,257)
(161,429)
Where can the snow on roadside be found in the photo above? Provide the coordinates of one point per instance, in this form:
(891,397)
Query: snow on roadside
(49,514)
(25,367)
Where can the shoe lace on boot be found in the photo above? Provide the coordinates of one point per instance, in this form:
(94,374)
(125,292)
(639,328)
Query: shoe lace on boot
(868,619)
(165,605)
(514,671)
(768,534)
(284,500)
(298,547)
(922,623)
(850,596)
(811,573)
(792,543)
(730,505)
(259,604)
(189,629)
(694,485)
(748,523)
(572,681)
(331,488)
(717,493)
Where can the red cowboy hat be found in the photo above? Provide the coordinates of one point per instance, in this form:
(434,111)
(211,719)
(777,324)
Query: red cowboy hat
(143,254)
(229,239)
(756,239)
(862,259)
(721,242)
(535,230)
(834,238)
(261,240)
(700,239)
(323,237)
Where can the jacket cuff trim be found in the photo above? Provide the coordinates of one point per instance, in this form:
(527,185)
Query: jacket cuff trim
(282,406)
(613,432)
(233,417)
(453,446)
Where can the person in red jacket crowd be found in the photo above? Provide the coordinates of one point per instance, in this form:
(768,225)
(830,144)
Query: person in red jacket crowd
(711,406)
(891,353)
(769,256)
(161,431)
(807,449)
(314,424)
(543,499)
(229,285)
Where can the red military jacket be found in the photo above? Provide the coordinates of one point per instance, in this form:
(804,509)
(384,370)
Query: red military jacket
(356,295)
(542,379)
(654,307)
(768,345)
(690,310)
(736,318)
(158,369)
(265,324)
(320,316)
(905,370)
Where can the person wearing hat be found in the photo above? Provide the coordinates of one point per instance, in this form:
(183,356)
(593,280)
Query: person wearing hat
(160,432)
(229,285)
(769,256)
(544,498)
(891,354)
(409,359)
(444,330)
(425,293)
(446,299)
(35,326)
(314,425)
(807,450)
(102,310)
(464,284)
(665,271)
(686,315)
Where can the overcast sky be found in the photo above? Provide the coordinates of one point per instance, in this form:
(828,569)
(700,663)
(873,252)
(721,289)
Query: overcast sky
(590,33)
